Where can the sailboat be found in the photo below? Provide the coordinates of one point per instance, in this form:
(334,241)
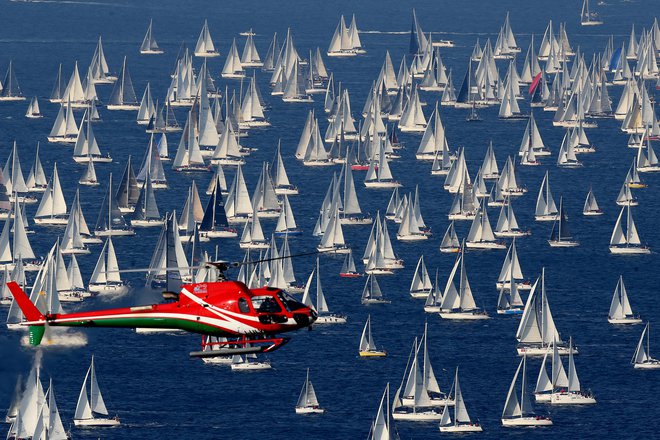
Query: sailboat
(52,210)
(233,68)
(348,269)
(253,235)
(371,294)
(89,178)
(450,243)
(106,277)
(307,401)
(379,174)
(333,237)
(205,46)
(242,362)
(10,90)
(92,411)
(367,345)
(571,392)
(459,304)
(146,213)
(546,210)
(214,223)
(286,223)
(520,412)
(537,329)
(511,268)
(509,301)
(462,421)
(149,45)
(123,95)
(383,428)
(86,147)
(642,359)
(587,17)
(33,111)
(421,284)
(110,221)
(620,310)
(507,224)
(481,234)
(324,314)
(189,157)
(417,405)
(628,242)
(65,129)
(282,184)
(591,207)
(561,235)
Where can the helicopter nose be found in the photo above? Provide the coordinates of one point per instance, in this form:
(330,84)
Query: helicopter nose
(305,319)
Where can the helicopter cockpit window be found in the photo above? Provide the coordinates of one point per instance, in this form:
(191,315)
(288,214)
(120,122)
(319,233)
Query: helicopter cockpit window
(289,302)
(265,304)
(243,305)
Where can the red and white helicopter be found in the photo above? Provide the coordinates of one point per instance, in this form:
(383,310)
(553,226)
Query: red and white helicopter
(250,318)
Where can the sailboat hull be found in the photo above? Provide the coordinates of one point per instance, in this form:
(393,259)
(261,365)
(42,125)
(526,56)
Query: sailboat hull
(464,316)
(527,421)
(128,107)
(108,288)
(461,428)
(420,416)
(330,319)
(541,350)
(652,364)
(335,250)
(628,320)
(76,251)
(571,399)
(382,184)
(147,223)
(450,250)
(592,213)
(96,422)
(218,234)
(115,233)
(373,353)
(412,237)
(484,245)
(629,250)
(290,191)
(309,410)
(419,294)
(563,243)
(251,366)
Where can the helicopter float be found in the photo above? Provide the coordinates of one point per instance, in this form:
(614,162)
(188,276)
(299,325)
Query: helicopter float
(251,319)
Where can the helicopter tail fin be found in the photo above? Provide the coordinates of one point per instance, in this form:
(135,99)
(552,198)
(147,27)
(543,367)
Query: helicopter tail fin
(31,313)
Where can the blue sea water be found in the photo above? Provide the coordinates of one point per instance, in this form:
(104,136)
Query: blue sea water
(159,392)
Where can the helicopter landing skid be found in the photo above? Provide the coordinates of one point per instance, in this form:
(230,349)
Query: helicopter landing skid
(239,346)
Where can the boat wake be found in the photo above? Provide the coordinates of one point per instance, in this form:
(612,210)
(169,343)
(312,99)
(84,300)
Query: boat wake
(59,339)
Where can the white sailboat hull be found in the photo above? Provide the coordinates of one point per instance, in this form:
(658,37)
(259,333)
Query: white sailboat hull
(108,288)
(461,428)
(629,250)
(51,221)
(76,251)
(512,233)
(335,250)
(524,285)
(218,360)
(432,309)
(218,234)
(464,316)
(592,213)
(330,319)
(115,233)
(147,223)
(652,364)
(563,243)
(254,245)
(547,217)
(420,416)
(412,128)
(152,52)
(290,191)
(96,422)
(434,403)
(626,320)
(95,159)
(571,399)
(412,237)
(354,220)
(128,107)
(541,351)
(462,216)
(309,410)
(251,366)
(484,245)
(527,421)
(450,250)
(379,271)
(419,294)
(382,184)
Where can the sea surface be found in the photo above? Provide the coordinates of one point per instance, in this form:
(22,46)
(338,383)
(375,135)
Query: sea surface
(150,381)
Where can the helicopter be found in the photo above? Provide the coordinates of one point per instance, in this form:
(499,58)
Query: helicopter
(249,318)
